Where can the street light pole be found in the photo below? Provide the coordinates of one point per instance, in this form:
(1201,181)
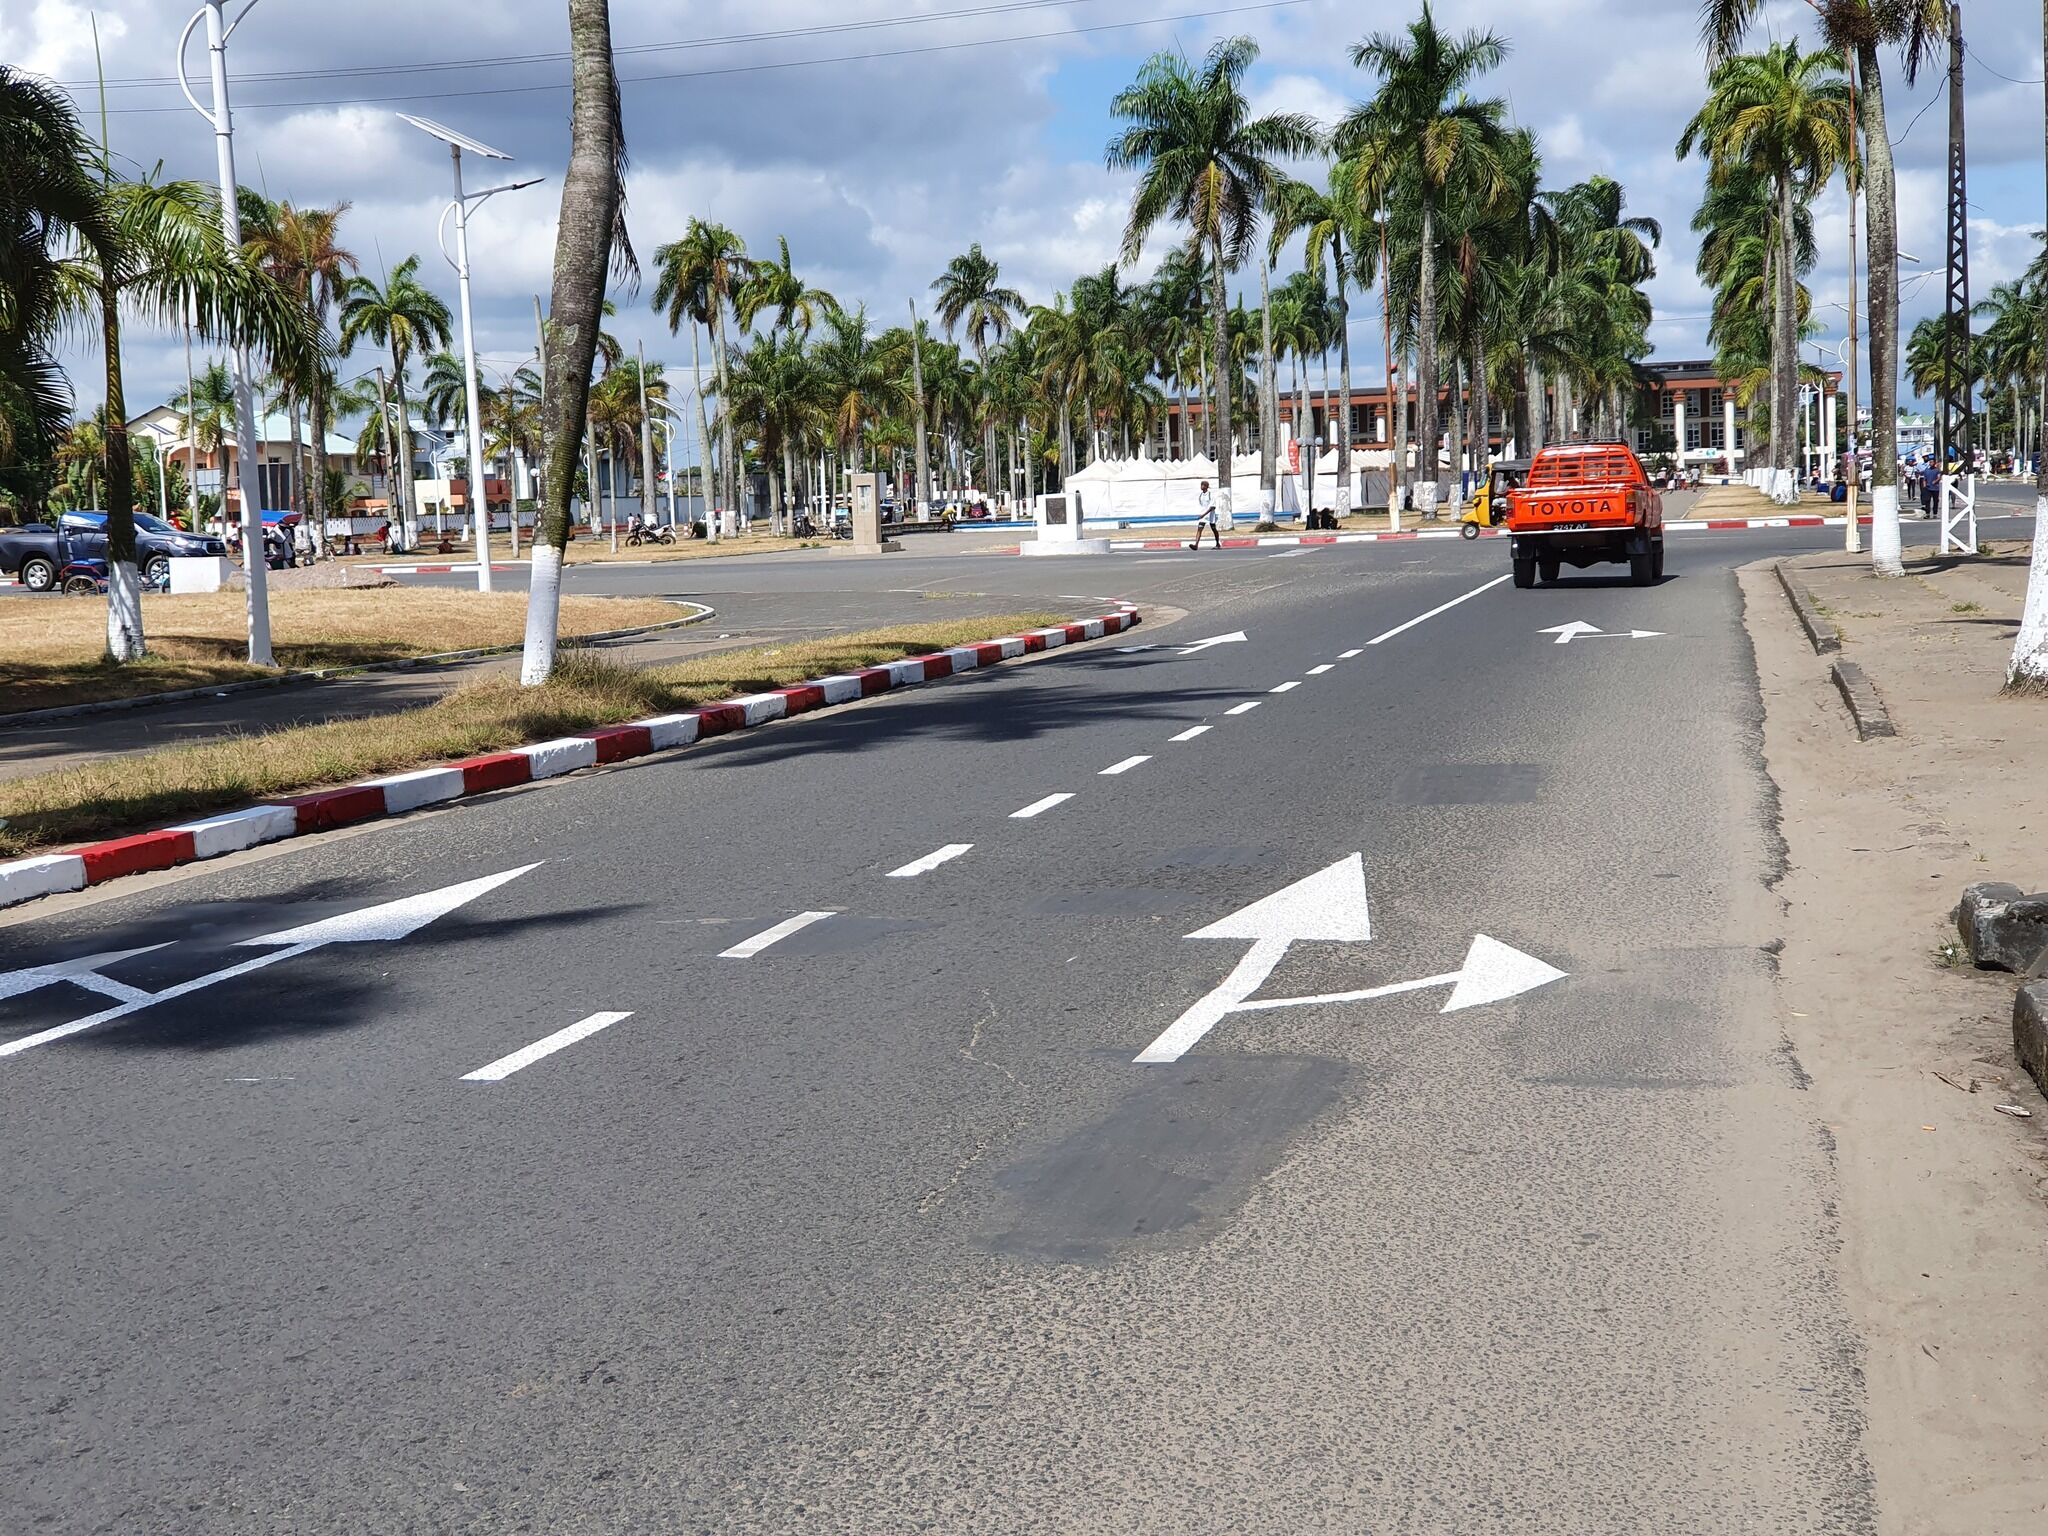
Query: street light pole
(255,565)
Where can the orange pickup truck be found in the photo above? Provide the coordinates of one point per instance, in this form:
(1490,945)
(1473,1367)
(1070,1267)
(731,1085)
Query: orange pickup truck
(1583,504)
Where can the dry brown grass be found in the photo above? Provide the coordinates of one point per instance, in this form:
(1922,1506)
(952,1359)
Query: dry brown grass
(598,551)
(144,789)
(51,647)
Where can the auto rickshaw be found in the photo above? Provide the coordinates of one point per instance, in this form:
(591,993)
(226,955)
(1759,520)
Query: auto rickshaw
(1488,507)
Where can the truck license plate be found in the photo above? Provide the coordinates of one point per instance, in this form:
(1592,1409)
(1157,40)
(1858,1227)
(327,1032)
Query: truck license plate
(1569,527)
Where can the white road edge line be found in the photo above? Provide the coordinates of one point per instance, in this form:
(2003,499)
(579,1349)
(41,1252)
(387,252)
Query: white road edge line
(930,861)
(1126,765)
(1328,666)
(505,1066)
(1039,807)
(1440,608)
(1288,687)
(1242,709)
(1190,733)
(746,949)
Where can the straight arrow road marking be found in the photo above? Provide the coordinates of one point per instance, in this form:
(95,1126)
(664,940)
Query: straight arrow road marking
(1235,637)
(82,972)
(930,861)
(746,949)
(382,924)
(505,1066)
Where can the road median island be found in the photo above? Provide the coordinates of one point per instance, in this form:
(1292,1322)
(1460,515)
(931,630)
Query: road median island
(1907,1050)
(489,735)
(51,648)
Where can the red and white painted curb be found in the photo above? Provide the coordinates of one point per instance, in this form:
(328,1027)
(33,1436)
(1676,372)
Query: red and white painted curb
(46,874)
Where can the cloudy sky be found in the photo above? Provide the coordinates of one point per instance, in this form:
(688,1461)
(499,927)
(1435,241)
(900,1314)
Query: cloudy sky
(882,136)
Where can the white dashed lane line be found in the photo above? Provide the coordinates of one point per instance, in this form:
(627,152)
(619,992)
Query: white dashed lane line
(1286,687)
(1126,765)
(930,861)
(1319,671)
(1190,733)
(1347,655)
(746,949)
(1040,807)
(505,1066)
(1242,709)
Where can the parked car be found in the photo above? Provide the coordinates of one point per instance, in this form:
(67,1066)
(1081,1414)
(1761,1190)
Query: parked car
(35,552)
(156,541)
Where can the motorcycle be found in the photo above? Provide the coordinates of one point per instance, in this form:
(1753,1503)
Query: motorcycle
(640,534)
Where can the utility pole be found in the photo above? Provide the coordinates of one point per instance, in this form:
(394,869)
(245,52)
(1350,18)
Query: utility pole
(1954,402)
(1852,535)
(924,485)
(646,444)
(255,567)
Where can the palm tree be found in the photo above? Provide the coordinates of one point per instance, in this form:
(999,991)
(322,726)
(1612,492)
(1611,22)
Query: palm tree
(775,285)
(209,410)
(1333,225)
(298,247)
(168,261)
(1784,116)
(406,318)
(1206,162)
(1931,370)
(48,203)
(776,397)
(970,294)
(444,391)
(1419,128)
(858,382)
(698,278)
(1858,29)
(590,241)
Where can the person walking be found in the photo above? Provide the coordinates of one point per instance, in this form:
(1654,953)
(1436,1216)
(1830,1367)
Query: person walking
(1207,519)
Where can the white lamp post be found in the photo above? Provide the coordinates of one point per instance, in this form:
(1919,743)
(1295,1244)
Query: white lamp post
(256,568)
(472,402)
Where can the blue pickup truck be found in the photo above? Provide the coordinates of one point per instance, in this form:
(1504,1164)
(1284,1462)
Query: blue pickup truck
(34,553)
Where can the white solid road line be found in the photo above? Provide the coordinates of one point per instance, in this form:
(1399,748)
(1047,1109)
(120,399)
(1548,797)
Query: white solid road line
(746,949)
(1327,666)
(1039,807)
(1127,764)
(1242,709)
(1440,608)
(505,1066)
(1286,687)
(1190,733)
(1347,655)
(930,861)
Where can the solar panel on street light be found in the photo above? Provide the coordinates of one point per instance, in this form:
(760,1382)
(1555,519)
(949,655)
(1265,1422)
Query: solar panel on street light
(448,135)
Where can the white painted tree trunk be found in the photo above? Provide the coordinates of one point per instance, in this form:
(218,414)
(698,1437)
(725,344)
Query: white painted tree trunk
(543,610)
(1886,555)
(124,611)
(2030,648)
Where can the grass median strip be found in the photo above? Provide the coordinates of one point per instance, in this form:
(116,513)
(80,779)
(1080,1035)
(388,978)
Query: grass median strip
(144,789)
(51,647)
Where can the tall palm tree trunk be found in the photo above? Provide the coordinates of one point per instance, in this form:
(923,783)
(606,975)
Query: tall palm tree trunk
(1880,184)
(583,242)
(1529,425)
(1455,426)
(1343,384)
(1784,349)
(705,488)
(2029,665)
(1425,365)
(1482,448)
(401,480)
(1269,398)
(124,584)
(729,523)
(1219,321)
(317,501)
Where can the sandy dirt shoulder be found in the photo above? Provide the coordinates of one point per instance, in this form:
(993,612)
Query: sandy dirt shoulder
(1944,1201)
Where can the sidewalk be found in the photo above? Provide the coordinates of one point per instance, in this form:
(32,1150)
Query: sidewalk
(1943,1220)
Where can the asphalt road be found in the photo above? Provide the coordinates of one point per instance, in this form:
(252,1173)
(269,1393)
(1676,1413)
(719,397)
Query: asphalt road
(881,1227)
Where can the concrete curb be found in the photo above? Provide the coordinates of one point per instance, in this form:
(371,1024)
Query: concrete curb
(327,674)
(2030,1031)
(1820,634)
(1676,525)
(1865,707)
(230,831)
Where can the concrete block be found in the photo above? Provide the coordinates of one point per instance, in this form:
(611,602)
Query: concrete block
(2030,1031)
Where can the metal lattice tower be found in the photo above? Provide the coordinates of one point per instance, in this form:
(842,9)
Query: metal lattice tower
(1953,408)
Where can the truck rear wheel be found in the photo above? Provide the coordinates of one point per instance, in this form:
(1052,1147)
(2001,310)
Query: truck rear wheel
(1525,570)
(1642,567)
(38,574)
(1546,567)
